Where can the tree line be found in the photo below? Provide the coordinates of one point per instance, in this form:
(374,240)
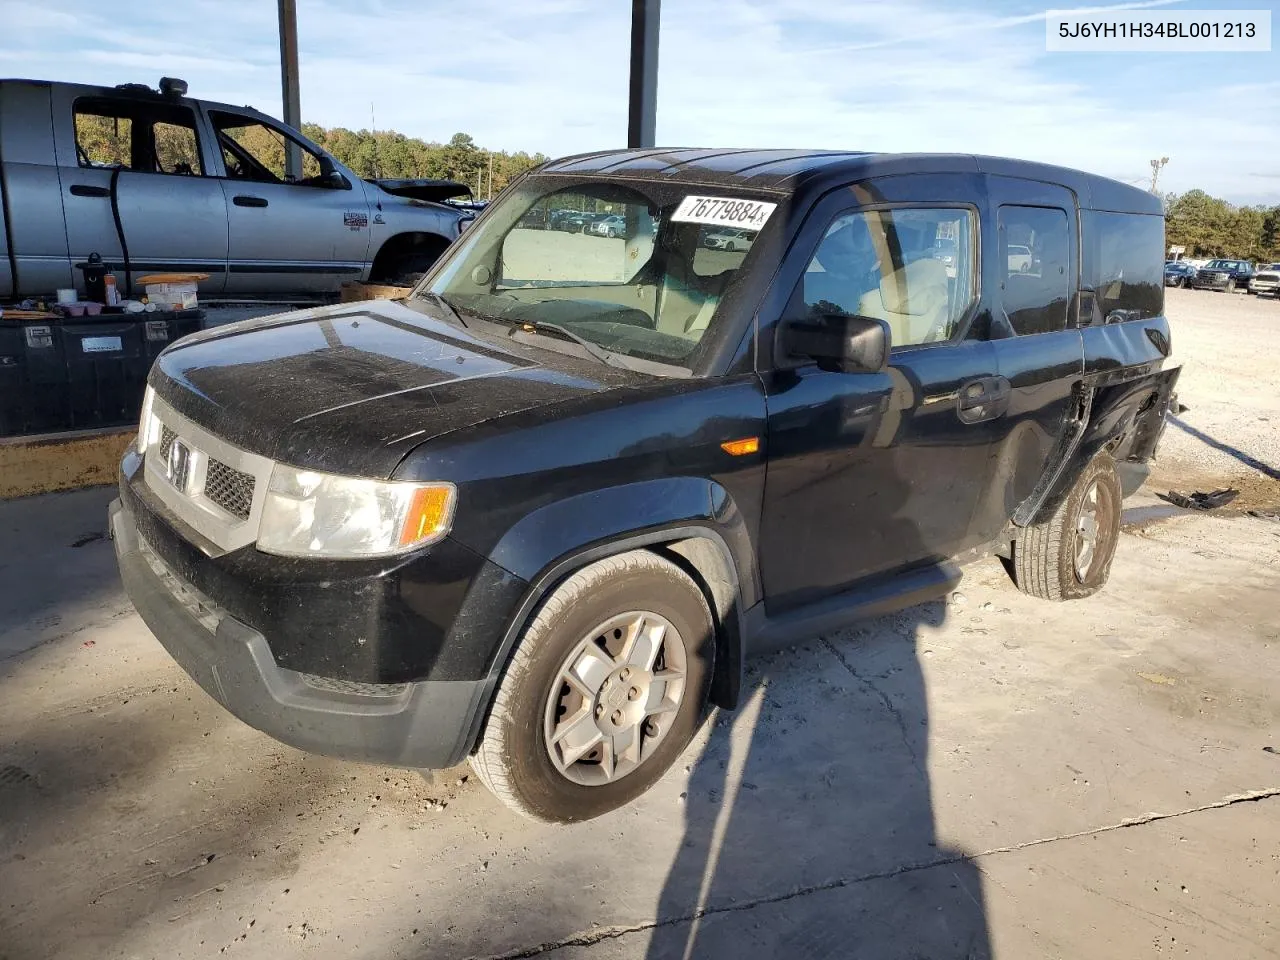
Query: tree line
(1210,227)
(387,154)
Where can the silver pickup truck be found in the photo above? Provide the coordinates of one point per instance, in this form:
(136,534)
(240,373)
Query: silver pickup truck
(154,181)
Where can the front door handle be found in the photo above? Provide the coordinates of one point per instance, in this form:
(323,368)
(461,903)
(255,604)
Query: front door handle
(89,190)
(240,200)
(984,398)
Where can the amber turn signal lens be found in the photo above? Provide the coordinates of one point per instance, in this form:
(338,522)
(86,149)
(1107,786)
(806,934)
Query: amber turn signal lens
(737,448)
(429,514)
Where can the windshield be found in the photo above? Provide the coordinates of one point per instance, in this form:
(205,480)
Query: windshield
(1223,264)
(638,270)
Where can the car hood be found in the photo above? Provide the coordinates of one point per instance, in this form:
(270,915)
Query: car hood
(352,388)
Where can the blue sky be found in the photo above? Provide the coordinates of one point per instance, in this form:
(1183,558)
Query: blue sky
(551,75)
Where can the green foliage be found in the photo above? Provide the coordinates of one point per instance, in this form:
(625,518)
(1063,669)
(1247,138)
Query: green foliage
(388,154)
(1209,227)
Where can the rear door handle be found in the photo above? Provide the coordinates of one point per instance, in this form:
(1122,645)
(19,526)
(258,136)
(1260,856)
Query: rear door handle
(984,398)
(243,201)
(88,190)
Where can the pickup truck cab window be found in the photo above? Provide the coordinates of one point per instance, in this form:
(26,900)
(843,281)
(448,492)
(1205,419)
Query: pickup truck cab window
(914,268)
(142,137)
(252,150)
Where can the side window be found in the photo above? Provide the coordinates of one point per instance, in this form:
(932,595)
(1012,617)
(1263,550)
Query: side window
(251,150)
(1123,265)
(136,135)
(1035,260)
(176,149)
(914,268)
(103,141)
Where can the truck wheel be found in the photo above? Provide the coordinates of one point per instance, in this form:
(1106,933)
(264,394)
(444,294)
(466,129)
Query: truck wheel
(1068,555)
(604,691)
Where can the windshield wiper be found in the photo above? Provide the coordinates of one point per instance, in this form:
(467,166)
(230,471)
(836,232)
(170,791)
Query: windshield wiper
(539,326)
(444,305)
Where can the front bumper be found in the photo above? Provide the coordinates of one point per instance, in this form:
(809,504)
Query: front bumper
(420,724)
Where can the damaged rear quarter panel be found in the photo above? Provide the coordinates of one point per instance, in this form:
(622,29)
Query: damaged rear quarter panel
(1129,392)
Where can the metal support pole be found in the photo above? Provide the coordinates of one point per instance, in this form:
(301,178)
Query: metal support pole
(643,107)
(289,84)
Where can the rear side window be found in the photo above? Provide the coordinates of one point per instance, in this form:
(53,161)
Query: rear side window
(1123,266)
(136,135)
(1035,261)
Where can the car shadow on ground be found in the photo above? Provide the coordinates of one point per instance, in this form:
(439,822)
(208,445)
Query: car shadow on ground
(1248,460)
(809,828)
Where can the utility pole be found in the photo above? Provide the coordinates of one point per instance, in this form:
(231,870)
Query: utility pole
(1156,167)
(490,174)
(289,85)
(642,110)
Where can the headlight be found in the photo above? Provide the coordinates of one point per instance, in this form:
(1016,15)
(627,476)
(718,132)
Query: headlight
(310,514)
(148,425)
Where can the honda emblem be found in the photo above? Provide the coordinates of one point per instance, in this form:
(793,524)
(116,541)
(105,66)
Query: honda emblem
(178,466)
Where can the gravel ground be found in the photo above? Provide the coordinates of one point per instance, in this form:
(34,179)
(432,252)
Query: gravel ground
(1230,433)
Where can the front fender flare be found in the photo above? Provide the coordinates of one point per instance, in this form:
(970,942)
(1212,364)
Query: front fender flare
(549,544)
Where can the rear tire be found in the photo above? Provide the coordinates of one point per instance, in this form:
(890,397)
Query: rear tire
(566,673)
(1068,555)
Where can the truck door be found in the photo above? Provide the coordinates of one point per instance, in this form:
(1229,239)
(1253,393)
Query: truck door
(287,236)
(1038,345)
(149,152)
(872,473)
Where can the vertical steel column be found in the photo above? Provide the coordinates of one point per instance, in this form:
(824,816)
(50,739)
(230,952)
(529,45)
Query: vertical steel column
(643,106)
(289,83)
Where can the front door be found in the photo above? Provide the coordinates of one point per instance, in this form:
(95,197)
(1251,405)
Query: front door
(286,236)
(872,473)
(148,152)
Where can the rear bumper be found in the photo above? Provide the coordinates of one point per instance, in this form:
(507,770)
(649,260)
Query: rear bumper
(414,724)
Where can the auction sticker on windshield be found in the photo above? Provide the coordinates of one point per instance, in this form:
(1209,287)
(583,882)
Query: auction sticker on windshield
(724,212)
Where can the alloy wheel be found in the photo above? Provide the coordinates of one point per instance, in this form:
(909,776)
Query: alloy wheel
(615,698)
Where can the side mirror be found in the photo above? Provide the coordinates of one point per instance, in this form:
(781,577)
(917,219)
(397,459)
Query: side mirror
(840,343)
(330,175)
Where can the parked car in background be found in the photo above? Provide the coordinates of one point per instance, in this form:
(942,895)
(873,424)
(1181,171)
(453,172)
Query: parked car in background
(154,181)
(1178,274)
(537,514)
(1019,258)
(610,226)
(730,240)
(1223,275)
(1266,280)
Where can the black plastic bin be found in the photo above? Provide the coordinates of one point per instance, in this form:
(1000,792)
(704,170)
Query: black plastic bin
(79,373)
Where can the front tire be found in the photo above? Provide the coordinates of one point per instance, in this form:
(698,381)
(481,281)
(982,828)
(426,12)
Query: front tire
(605,689)
(1068,555)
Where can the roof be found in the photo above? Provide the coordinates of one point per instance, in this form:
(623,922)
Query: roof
(788,171)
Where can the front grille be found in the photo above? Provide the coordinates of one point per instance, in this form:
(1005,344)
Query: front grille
(229,488)
(167,437)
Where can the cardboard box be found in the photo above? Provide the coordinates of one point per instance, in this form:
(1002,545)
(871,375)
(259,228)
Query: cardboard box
(175,296)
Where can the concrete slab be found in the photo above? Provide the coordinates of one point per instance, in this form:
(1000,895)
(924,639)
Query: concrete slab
(890,787)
